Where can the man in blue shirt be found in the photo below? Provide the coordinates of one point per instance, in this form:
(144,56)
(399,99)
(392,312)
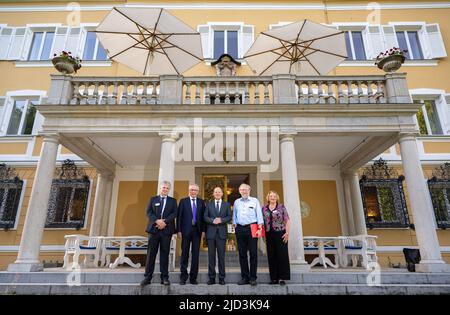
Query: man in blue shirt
(247,211)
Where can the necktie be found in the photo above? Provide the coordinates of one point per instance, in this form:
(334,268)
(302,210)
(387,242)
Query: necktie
(194,212)
(163,200)
(217,207)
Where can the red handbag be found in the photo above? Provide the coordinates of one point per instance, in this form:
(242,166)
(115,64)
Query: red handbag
(254,227)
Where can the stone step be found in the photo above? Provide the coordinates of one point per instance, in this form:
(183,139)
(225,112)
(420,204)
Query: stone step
(127,276)
(228,289)
(231,259)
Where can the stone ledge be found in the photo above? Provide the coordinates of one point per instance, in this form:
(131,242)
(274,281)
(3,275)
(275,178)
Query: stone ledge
(229,289)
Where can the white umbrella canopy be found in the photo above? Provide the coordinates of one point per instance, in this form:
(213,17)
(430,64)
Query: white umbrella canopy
(151,41)
(301,48)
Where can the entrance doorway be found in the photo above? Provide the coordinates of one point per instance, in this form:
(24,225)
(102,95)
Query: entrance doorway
(230,186)
(229,179)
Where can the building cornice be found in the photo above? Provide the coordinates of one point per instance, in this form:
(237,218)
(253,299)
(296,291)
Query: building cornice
(231,6)
(193,110)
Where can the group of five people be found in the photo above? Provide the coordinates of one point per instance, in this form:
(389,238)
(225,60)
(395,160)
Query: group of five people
(194,219)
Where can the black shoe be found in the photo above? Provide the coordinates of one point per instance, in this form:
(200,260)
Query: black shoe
(211,281)
(194,282)
(222,282)
(253,282)
(243,281)
(273,282)
(145,282)
(165,282)
(282,282)
(182,282)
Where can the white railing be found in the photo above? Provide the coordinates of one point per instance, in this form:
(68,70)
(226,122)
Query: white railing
(209,90)
(227,90)
(340,90)
(130,90)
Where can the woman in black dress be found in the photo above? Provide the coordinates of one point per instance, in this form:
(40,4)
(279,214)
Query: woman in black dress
(276,220)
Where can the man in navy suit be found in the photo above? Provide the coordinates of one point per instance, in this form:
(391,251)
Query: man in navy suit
(217,215)
(191,229)
(161,212)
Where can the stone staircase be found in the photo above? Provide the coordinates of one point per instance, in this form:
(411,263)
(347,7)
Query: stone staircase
(317,281)
(231,259)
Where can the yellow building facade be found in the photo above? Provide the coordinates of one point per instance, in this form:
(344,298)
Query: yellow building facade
(120,147)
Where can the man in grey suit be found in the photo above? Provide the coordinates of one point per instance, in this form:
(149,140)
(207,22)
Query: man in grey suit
(217,215)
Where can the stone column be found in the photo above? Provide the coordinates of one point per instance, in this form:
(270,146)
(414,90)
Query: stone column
(98,215)
(421,207)
(359,219)
(167,160)
(292,202)
(107,206)
(348,205)
(30,243)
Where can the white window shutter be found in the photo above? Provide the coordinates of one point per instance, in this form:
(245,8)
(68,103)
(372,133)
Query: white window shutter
(2,107)
(373,40)
(6,34)
(443,114)
(390,38)
(247,39)
(59,42)
(38,122)
(73,40)
(81,44)
(204,31)
(25,50)
(4,120)
(15,49)
(433,40)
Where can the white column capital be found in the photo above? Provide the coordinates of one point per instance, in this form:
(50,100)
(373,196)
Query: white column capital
(106,175)
(169,136)
(349,173)
(287,136)
(50,137)
(407,136)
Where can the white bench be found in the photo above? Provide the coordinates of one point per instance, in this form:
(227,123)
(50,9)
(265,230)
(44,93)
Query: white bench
(359,246)
(77,245)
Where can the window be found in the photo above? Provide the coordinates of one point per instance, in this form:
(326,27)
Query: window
(225,38)
(439,186)
(428,118)
(93,49)
(409,40)
(355,45)
(225,42)
(22,117)
(68,198)
(10,193)
(383,197)
(41,46)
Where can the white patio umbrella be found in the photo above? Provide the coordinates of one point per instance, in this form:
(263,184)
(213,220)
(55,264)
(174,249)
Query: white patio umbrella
(151,41)
(302,48)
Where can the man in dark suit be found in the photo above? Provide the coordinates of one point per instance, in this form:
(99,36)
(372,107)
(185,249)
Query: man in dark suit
(161,212)
(191,229)
(217,215)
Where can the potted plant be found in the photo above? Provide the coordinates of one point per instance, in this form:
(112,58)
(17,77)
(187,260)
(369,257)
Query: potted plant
(391,60)
(66,63)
